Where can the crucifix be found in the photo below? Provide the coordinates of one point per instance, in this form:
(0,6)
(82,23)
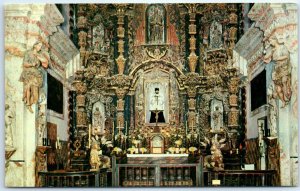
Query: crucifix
(156,108)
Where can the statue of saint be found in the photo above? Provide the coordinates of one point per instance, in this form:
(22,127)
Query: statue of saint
(156,25)
(31,75)
(215,35)
(98,123)
(157,108)
(217,119)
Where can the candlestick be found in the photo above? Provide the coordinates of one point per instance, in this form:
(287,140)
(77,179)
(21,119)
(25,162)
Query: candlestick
(89,135)
(185,127)
(113,133)
(125,128)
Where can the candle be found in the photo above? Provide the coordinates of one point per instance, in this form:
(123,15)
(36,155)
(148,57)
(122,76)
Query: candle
(113,129)
(119,124)
(185,127)
(192,125)
(89,135)
(125,128)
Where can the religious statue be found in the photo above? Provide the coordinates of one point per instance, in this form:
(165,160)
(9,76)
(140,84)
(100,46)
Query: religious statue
(157,108)
(215,160)
(281,74)
(9,117)
(31,75)
(156,25)
(217,119)
(94,157)
(98,125)
(215,35)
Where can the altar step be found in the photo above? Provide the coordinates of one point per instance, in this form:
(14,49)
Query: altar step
(80,164)
(231,162)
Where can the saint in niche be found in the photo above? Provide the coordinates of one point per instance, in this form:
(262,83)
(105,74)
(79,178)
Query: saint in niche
(156,24)
(98,123)
(217,114)
(215,35)
(157,108)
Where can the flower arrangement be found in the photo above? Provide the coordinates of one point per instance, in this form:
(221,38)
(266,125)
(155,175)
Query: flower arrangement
(172,150)
(178,142)
(117,150)
(143,150)
(131,150)
(182,150)
(193,149)
(136,142)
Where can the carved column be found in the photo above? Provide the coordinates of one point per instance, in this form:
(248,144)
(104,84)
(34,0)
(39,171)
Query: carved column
(82,34)
(121,34)
(81,115)
(232,26)
(192,31)
(120,109)
(121,84)
(233,115)
(41,162)
(192,83)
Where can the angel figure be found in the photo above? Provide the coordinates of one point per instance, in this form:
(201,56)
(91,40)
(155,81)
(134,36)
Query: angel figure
(281,74)
(215,160)
(32,76)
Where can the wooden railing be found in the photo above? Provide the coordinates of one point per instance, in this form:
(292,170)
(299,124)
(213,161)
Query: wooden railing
(137,175)
(240,178)
(74,179)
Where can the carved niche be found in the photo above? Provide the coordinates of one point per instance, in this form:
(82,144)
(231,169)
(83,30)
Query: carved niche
(156,24)
(215,35)
(206,107)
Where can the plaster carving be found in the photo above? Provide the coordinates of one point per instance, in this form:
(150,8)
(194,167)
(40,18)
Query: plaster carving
(9,124)
(93,98)
(281,74)
(273,111)
(31,76)
(42,118)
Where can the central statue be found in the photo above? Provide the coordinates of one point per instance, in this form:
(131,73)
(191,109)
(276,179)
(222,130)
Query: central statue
(157,108)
